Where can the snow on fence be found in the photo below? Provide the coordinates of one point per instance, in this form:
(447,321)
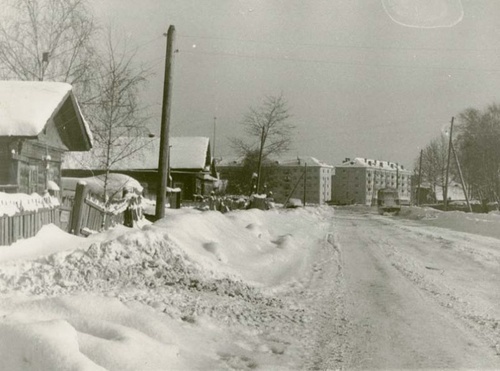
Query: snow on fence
(22,215)
(90,215)
(96,217)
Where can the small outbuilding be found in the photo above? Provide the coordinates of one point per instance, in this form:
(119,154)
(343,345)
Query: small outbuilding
(191,167)
(39,122)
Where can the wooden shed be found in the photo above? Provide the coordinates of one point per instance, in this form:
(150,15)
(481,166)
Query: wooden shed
(190,164)
(39,122)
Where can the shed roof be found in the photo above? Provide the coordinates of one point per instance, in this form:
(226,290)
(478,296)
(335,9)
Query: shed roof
(191,153)
(26,107)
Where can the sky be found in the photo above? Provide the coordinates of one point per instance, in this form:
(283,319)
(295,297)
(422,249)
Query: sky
(367,78)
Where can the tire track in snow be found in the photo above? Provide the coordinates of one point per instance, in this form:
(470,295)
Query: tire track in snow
(431,281)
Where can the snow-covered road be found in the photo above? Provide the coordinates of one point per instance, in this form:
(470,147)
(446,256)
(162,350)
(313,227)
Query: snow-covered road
(413,296)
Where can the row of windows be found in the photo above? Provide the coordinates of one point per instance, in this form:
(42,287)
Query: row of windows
(378,175)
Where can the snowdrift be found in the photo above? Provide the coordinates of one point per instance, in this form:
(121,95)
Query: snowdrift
(130,299)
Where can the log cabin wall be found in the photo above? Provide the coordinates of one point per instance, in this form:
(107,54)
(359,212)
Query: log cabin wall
(27,164)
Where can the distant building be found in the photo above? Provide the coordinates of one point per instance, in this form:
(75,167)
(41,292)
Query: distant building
(357,181)
(190,165)
(39,122)
(284,178)
(289,175)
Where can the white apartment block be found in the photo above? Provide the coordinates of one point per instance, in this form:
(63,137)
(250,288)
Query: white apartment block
(356,181)
(288,180)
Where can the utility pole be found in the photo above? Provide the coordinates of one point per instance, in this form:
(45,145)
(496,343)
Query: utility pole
(445,190)
(215,125)
(259,164)
(419,177)
(305,182)
(461,177)
(163,161)
(397,177)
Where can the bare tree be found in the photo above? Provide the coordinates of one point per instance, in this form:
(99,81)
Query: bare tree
(434,161)
(47,40)
(268,130)
(478,147)
(118,120)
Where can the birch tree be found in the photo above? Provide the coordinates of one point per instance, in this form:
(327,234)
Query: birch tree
(118,119)
(47,40)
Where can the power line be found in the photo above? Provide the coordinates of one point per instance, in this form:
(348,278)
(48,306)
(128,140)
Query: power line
(352,64)
(340,46)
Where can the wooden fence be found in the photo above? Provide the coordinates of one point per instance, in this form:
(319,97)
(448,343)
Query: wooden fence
(78,212)
(96,218)
(86,214)
(26,224)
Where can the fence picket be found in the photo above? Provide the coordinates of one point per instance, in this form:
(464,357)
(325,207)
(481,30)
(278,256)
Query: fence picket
(25,224)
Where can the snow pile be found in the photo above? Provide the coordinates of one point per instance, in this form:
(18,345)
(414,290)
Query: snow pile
(481,224)
(49,239)
(67,333)
(214,258)
(194,290)
(116,184)
(14,203)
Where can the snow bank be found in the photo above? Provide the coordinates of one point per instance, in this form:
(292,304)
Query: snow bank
(166,297)
(49,239)
(83,333)
(481,224)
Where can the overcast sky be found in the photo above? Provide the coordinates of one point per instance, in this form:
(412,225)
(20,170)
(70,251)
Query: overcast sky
(362,79)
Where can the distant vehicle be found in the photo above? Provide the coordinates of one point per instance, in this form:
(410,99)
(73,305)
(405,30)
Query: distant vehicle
(388,201)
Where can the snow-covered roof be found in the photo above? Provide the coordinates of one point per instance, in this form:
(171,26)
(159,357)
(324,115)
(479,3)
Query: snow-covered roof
(291,161)
(27,106)
(301,160)
(367,162)
(185,153)
(230,161)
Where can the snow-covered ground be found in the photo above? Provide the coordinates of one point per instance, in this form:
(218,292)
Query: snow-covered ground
(196,290)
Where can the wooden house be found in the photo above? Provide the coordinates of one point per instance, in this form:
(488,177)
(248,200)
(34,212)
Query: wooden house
(190,164)
(39,122)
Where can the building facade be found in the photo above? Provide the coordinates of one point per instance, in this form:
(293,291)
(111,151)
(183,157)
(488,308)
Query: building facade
(302,177)
(190,165)
(284,178)
(356,181)
(39,122)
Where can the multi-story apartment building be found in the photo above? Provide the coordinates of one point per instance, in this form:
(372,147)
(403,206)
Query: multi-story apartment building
(289,182)
(285,178)
(356,181)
